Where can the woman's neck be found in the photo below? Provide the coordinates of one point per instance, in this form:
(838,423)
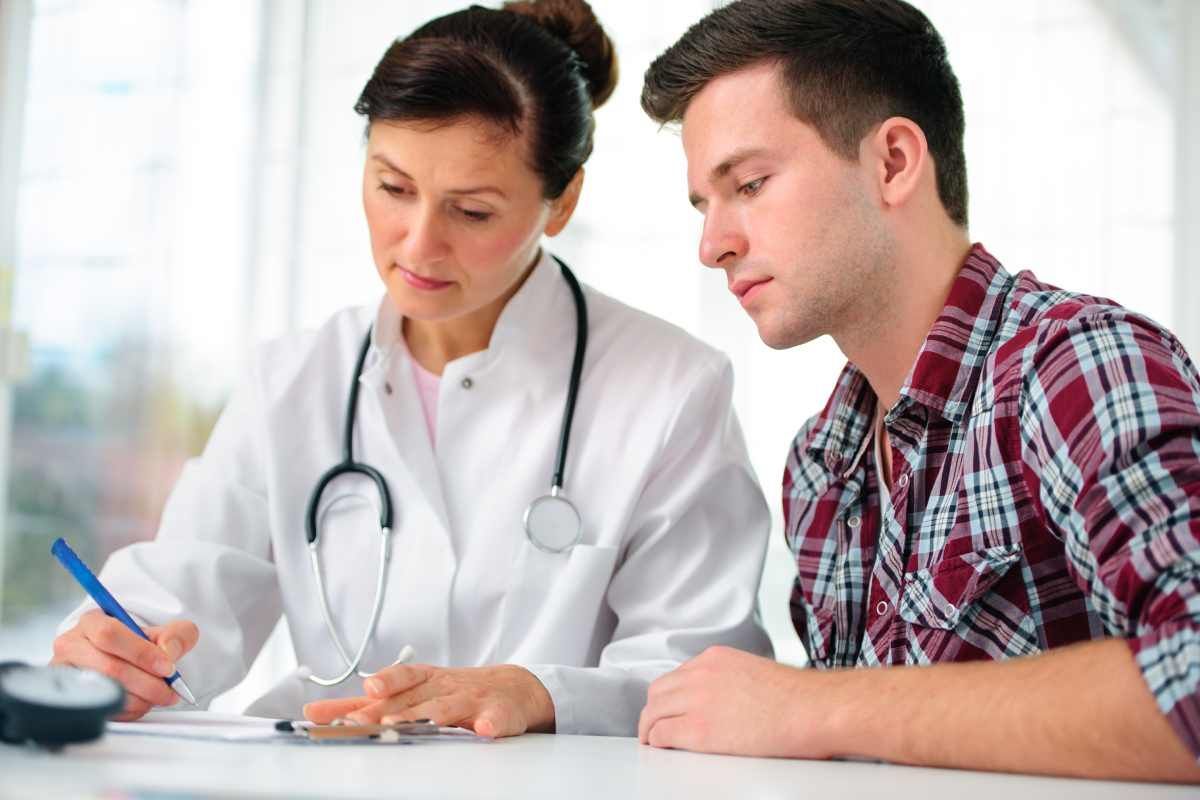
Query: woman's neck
(435,343)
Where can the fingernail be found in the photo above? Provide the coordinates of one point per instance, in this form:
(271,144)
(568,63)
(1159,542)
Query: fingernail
(357,719)
(164,667)
(374,686)
(174,649)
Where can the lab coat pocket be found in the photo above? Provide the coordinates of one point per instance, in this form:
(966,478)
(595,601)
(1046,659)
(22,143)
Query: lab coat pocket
(554,605)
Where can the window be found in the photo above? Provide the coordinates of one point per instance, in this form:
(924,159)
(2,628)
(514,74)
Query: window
(188,185)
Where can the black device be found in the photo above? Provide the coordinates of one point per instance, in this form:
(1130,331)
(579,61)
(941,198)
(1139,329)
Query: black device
(55,705)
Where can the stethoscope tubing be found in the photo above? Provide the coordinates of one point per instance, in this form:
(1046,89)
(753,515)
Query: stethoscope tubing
(349,466)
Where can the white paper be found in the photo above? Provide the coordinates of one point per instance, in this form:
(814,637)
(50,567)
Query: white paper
(213,726)
(201,725)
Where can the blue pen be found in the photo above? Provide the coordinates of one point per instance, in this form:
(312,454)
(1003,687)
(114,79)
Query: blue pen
(109,605)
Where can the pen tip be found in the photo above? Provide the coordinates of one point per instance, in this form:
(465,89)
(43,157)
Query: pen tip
(183,691)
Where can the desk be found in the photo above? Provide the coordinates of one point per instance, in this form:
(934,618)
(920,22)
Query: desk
(533,766)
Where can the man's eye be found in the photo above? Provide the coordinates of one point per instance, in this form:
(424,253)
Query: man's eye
(750,189)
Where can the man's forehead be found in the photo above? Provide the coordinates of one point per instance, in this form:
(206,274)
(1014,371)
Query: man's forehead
(733,111)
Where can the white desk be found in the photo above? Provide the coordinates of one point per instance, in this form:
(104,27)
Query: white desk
(535,766)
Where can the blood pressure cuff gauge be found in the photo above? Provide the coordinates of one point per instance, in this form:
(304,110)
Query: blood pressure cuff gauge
(55,705)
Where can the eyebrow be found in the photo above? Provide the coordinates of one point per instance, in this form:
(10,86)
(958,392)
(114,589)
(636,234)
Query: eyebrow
(718,172)
(496,190)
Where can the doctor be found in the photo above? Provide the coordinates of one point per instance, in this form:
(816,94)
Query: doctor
(522,616)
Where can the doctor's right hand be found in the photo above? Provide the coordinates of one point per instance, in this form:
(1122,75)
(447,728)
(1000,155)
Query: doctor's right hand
(101,643)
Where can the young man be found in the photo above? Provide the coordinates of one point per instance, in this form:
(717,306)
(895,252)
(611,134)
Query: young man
(1000,503)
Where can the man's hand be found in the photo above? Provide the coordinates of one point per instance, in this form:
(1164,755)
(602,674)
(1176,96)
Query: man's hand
(729,701)
(103,644)
(495,701)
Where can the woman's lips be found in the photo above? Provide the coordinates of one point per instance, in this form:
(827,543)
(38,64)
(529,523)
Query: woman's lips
(424,284)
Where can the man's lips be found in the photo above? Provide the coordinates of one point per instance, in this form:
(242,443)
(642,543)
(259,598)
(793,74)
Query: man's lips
(743,286)
(421,282)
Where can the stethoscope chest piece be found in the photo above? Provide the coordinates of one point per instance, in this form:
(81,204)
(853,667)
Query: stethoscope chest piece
(553,524)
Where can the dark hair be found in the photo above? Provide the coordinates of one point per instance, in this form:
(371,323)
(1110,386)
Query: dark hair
(536,65)
(847,65)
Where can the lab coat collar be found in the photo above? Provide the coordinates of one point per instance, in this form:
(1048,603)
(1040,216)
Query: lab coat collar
(531,320)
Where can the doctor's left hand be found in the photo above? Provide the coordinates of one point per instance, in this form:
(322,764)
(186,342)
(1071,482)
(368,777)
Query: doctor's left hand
(503,700)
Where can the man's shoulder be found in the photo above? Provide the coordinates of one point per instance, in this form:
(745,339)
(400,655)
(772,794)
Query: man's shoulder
(1050,335)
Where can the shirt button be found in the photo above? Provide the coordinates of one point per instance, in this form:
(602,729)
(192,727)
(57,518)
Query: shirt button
(881,607)
(467,383)
(854,521)
(950,609)
(903,482)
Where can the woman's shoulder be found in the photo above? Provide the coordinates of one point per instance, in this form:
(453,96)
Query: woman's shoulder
(329,348)
(639,339)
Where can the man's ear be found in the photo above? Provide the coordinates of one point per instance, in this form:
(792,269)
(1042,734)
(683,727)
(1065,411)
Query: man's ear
(563,207)
(899,154)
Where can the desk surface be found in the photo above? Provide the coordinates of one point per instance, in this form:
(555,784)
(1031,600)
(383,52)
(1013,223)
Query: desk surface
(534,766)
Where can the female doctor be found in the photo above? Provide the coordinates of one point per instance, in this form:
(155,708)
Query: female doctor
(526,607)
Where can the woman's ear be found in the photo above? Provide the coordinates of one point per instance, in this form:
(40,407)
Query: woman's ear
(900,157)
(563,206)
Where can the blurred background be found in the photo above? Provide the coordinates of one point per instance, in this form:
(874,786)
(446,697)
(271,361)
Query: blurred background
(179,180)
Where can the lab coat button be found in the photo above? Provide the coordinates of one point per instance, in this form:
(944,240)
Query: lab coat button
(467,383)
(387,387)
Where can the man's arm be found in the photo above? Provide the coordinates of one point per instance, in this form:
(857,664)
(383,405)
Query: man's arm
(1081,711)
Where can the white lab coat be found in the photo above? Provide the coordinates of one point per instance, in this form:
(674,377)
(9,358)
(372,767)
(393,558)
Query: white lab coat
(674,523)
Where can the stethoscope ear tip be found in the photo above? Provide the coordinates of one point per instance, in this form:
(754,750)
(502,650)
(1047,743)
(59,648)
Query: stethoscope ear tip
(303,672)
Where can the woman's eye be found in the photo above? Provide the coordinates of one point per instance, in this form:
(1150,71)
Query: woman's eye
(750,189)
(475,216)
(391,189)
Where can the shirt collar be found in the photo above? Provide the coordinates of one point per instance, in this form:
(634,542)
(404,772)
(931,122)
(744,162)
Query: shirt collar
(952,357)
(532,317)
(944,374)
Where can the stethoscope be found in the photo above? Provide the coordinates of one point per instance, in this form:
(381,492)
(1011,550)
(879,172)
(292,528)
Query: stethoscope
(552,523)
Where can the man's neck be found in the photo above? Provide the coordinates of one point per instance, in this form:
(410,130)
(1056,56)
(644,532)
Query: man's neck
(884,345)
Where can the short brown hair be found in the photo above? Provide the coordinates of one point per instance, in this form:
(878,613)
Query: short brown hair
(847,65)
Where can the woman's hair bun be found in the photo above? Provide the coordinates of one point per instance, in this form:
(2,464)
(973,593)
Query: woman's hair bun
(574,22)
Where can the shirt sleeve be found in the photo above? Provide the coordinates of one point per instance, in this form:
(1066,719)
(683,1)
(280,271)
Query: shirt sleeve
(211,561)
(1110,424)
(690,573)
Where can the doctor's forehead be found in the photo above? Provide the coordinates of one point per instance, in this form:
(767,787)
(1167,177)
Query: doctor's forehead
(447,150)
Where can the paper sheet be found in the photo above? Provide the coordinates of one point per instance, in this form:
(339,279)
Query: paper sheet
(213,726)
(201,725)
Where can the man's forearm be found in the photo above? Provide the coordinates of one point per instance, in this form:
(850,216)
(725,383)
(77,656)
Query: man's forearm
(1083,711)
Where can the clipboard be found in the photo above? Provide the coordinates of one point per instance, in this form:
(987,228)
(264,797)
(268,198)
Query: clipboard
(397,733)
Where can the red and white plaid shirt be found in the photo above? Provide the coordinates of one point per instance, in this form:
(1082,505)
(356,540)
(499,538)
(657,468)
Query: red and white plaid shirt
(1045,490)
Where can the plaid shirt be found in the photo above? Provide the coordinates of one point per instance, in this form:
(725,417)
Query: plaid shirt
(1045,490)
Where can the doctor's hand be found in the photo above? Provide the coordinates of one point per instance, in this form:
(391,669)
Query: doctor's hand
(733,702)
(497,701)
(101,643)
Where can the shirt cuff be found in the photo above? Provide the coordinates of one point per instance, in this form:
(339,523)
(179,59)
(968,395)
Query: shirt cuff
(594,701)
(1169,658)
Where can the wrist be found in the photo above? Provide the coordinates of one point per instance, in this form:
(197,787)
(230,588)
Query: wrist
(848,721)
(539,705)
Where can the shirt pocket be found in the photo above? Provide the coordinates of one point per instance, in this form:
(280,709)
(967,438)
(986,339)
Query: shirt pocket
(954,614)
